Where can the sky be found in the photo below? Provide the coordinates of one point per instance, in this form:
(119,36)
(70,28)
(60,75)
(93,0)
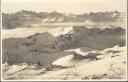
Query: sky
(64,6)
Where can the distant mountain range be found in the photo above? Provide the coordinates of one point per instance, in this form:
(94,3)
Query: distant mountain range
(14,20)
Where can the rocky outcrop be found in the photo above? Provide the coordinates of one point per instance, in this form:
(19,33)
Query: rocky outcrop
(94,38)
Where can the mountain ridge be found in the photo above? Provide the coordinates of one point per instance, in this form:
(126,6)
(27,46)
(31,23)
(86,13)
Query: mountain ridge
(21,18)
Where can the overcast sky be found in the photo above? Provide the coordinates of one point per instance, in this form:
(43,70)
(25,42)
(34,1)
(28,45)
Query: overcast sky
(69,6)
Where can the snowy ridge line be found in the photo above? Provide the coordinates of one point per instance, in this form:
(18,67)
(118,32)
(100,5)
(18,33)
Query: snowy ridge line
(55,31)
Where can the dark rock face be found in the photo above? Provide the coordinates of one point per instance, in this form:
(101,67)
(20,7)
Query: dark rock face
(44,48)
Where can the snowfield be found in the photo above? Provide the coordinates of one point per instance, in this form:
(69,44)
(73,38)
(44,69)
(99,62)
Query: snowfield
(110,65)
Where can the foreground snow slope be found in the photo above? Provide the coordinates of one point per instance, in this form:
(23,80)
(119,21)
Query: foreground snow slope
(111,64)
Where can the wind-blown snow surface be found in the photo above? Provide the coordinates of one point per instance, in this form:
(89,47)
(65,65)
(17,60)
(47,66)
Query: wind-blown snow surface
(111,64)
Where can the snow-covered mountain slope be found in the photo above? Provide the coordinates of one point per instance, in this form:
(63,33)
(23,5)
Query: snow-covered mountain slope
(111,64)
(45,48)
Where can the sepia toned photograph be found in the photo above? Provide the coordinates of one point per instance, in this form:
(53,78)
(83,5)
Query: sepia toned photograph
(63,40)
